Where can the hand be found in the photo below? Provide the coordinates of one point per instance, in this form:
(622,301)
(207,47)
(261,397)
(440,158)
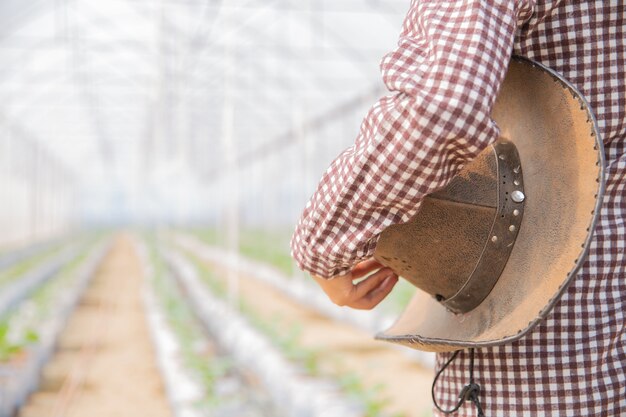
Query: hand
(367,293)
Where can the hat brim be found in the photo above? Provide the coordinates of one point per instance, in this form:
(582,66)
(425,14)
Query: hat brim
(563,164)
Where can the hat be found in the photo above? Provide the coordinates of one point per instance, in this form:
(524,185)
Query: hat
(493,251)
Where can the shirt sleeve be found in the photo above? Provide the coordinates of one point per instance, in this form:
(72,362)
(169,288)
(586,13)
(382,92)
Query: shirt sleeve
(444,76)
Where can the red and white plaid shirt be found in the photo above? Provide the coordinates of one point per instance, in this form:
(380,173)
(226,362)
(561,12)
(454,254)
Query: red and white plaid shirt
(444,76)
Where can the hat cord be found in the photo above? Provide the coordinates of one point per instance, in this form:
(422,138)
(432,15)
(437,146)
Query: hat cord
(469,392)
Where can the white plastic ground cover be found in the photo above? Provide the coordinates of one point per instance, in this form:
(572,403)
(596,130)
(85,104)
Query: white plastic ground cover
(11,257)
(12,294)
(304,291)
(181,388)
(292,391)
(18,381)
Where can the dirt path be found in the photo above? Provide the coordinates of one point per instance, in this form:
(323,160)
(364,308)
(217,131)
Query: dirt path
(105,363)
(344,350)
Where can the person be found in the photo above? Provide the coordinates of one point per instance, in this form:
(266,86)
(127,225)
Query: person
(444,77)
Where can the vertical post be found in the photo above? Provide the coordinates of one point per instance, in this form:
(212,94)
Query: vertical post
(230,158)
(232,203)
(5,193)
(305,150)
(35,162)
(42,200)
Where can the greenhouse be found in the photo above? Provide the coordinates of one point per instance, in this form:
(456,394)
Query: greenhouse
(280,208)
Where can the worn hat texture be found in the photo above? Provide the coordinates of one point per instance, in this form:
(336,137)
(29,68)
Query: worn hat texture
(493,251)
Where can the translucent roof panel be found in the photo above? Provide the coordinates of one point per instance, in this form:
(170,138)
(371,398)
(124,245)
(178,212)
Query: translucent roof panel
(158,110)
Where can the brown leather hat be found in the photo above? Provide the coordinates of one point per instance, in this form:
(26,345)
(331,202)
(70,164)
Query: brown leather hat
(493,251)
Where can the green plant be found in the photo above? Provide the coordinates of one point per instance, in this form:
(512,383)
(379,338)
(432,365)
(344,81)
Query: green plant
(370,397)
(271,247)
(9,348)
(19,329)
(24,266)
(197,358)
(207,276)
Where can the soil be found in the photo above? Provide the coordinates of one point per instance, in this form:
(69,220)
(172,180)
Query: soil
(105,364)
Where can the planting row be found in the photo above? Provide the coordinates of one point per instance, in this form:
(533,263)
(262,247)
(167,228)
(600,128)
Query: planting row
(200,377)
(247,370)
(356,370)
(37,295)
(303,290)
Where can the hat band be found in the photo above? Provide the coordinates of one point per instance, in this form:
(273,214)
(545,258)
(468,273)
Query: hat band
(504,231)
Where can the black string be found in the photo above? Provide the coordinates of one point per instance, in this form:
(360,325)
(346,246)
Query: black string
(469,392)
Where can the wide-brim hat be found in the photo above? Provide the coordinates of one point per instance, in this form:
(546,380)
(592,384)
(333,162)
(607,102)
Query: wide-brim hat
(494,250)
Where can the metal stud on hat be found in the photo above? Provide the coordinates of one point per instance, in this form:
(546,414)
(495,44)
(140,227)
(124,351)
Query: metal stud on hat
(517,196)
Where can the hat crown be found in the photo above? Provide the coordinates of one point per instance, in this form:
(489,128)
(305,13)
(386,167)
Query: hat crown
(457,245)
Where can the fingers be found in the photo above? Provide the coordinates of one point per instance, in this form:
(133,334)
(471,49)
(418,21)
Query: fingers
(367,293)
(371,282)
(378,294)
(363,268)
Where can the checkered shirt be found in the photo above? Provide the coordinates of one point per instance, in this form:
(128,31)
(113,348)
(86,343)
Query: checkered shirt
(444,76)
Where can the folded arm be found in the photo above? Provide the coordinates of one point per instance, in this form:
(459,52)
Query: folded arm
(444,76)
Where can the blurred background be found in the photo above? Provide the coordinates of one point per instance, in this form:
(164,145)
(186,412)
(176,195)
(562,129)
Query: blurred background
(179,111)
(152,137)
